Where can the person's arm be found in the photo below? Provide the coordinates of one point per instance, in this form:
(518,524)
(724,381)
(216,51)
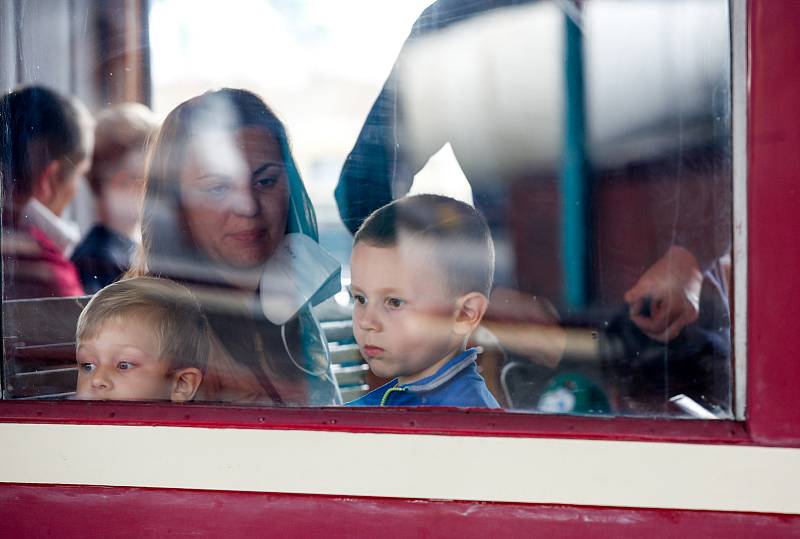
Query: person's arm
(666,298)
(365,183)
(526,325)
(379,167)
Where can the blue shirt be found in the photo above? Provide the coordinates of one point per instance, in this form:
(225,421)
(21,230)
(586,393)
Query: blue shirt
(456,383)
(102,257)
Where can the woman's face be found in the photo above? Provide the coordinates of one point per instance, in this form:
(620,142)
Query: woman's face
(235,195)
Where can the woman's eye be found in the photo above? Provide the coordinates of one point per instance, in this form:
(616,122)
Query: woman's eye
(87,367)
(358,298)
(394,303)
(218,190)
(266,182)
(124,365)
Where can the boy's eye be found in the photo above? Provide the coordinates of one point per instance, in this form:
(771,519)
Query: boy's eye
(360,299)
(124,365)
(87,367)
(394,303)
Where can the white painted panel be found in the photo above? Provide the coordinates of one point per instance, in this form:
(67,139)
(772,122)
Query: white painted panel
(529,470)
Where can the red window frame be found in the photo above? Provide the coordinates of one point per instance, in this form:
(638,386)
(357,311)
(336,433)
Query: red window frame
(773,199)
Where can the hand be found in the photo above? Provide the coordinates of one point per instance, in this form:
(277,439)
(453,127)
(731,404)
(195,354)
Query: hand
(671,287)
(526,325)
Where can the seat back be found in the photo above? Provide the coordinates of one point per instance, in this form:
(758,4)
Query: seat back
(39,347)
(348,366)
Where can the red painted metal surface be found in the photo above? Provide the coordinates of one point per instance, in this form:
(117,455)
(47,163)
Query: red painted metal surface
(773,410)
(439,421)
(774,222)
(38,511)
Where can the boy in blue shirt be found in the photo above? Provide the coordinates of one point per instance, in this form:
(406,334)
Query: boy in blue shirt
(422,271)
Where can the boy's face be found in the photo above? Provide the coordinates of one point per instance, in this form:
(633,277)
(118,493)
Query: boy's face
(121,195)
(121,362)
(404,316)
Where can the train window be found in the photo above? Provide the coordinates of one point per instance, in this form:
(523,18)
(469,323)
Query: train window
(590,140)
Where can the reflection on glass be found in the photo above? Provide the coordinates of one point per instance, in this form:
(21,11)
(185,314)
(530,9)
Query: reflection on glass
(221,194)
(593,137)
(596,142)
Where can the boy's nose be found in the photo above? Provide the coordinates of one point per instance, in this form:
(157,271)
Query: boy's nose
(367,320)
(100,380)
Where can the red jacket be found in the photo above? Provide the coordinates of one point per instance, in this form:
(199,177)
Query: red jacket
(33,267)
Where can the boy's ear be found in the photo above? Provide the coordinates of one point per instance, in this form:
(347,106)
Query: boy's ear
(470,309)
(44,188)
(185,383)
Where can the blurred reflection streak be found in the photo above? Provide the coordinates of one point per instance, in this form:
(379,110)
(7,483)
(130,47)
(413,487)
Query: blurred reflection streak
(493,85)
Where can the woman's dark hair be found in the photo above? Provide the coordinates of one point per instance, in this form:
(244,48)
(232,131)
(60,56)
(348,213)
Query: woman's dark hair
(166,241)
(38,126)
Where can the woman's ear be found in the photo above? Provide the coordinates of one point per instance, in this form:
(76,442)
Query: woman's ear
(185,383)
(470,309)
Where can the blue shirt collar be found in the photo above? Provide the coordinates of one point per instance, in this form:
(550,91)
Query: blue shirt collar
(445,373)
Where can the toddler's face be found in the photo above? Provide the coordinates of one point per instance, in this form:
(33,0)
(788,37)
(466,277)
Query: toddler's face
(121,362)
(403,316)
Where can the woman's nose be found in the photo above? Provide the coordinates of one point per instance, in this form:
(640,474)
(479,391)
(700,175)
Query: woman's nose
(244,203)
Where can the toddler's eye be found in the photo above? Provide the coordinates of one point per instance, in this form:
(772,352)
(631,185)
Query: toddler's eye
(87,367)
(124,365)
(394,303)
(358,298)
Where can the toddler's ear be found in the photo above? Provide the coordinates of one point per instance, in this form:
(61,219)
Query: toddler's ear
(470,310)
(185,383)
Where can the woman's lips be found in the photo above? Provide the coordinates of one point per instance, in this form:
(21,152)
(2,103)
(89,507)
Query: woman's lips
(248,236)
(372,351)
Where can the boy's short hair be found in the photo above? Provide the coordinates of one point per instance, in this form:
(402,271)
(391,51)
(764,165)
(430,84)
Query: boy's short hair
(179,324)
(122,131)
(458,233)
(38,126)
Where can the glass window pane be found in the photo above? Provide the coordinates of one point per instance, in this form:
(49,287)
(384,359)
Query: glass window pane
(593,138)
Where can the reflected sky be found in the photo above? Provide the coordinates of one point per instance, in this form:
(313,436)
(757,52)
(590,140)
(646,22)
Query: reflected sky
(318,63)
(279,43)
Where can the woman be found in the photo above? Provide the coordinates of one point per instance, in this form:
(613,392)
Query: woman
(221,191)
